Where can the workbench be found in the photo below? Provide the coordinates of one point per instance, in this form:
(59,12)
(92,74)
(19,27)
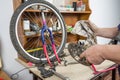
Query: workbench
(73,71)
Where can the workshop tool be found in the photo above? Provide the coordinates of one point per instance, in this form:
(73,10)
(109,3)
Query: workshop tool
(69,63)
(50,72)
(59,75)
(43,30)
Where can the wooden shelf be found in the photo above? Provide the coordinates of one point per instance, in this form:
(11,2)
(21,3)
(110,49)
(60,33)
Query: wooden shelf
(78,12)
(33,10)
(38,35)
(71,12)
(31,36)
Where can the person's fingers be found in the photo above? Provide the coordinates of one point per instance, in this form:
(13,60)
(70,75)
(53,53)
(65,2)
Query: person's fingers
(89,23)
(92,24)
(90,60)
(84,60)
(86,20)
(82,55)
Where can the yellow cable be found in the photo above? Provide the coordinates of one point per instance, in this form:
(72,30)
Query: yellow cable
(33,50)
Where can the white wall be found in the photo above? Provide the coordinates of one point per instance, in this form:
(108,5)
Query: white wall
(7,50)
(105,13)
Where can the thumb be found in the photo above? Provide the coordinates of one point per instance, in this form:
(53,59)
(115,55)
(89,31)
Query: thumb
(82,55)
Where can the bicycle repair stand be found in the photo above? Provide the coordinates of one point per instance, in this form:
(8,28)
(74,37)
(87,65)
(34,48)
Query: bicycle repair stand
(50,72)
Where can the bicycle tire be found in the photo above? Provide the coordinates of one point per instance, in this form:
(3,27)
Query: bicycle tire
(14,32)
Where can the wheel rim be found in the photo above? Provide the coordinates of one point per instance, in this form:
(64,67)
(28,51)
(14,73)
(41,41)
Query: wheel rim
(38,47)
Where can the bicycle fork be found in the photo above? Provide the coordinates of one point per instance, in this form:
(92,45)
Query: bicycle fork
(44,29)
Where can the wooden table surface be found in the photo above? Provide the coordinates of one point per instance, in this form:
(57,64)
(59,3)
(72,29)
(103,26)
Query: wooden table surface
(74,71)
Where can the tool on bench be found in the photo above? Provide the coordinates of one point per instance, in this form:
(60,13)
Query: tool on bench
(50,72)
(59,75)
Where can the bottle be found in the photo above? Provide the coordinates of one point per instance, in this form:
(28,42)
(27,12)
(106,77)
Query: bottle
(24,1)
(74,5)
(81,6)
(26,25)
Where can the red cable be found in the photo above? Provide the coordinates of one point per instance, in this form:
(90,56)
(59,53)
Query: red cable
(46,54)
(102,71)
(94,69)
(54,49)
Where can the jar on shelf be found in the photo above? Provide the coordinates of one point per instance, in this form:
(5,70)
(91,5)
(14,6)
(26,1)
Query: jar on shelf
(81,6)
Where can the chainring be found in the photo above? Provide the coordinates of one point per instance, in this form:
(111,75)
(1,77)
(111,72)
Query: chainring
(75,49)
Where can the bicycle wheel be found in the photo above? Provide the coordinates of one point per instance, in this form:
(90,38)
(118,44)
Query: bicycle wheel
(26,36)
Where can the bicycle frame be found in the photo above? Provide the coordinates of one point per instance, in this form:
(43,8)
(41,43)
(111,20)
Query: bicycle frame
(44,29)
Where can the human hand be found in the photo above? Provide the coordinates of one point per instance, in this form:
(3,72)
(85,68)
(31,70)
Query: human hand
(94,54)
(92,26)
